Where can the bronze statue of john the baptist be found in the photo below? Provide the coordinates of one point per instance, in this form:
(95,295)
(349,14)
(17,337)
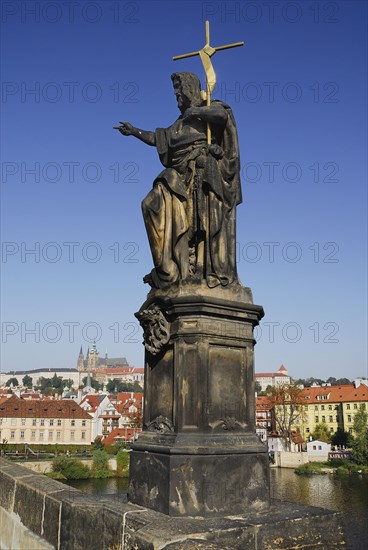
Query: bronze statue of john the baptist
(190,213)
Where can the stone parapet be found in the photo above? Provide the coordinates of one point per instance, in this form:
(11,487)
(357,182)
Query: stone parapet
(40,513)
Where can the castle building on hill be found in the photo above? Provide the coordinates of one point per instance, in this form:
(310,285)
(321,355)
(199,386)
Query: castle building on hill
(93,362)
(273,378)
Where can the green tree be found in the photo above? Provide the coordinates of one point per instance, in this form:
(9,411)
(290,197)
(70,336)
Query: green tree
(70,468)
(257,387)
(100,464)
(321,432)
(67,383)
(341,438)
(44,383)
(13,381)
(287,401)
(27,381)
(57,382)
(97,444)
(116,385)
(360,443)
(343,382)
(94,384)
(122,462)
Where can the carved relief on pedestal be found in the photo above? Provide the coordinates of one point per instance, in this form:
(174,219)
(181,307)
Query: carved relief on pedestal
(228,423)
(161,424)
(156,329)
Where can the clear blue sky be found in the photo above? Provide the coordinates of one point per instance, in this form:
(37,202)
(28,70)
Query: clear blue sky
(298,91)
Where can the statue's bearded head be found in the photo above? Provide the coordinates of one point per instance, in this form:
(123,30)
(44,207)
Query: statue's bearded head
(187,89)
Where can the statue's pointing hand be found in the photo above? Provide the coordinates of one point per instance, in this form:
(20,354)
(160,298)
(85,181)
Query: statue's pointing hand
(126,128)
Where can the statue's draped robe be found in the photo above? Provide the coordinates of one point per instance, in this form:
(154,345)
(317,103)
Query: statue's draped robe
(196,194)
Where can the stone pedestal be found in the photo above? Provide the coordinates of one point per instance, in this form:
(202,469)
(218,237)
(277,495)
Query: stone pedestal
(198,454)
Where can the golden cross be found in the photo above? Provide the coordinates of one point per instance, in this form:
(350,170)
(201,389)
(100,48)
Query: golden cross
(205,54)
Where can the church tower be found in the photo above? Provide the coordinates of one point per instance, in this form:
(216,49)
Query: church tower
(80,362)
(93,358)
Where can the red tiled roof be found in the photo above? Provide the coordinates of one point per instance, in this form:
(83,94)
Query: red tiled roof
(93,399)
(335,394)
(15,407)
(263,402)
(30,396)
(3,399)
(121,434)
(124,396)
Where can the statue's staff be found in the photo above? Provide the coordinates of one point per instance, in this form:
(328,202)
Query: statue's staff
(205,54)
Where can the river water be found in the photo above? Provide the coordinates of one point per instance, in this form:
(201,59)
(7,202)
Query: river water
(348,494)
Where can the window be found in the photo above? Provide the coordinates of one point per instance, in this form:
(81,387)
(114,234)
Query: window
(34,422)
(316,407)
(331,418)
(23,421)
(12,435)
(331,430)
(22,434)
(307,430)
(323,419)
(72,435)
(319,447)
(83,435)
(42,421)
(51,422)
(348,406)
(72,422)
(59,422)
(323,407)
(13,421)
(51,434)
(349,417)
(33,435)
(314,448)
(58,435)
(355,406)
(330,407)
(83,422)
(41,435)
(317,419)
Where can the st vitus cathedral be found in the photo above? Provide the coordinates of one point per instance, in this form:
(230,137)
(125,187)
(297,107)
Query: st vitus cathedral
(93,362)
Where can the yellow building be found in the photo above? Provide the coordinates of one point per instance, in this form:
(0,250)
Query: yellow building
(334,406)
(43,422)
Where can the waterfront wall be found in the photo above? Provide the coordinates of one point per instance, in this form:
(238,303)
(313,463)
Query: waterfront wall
(290,460)
(45,466)
(285,459)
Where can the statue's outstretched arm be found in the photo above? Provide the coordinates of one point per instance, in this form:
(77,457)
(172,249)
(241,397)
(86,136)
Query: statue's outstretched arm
(127,129)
